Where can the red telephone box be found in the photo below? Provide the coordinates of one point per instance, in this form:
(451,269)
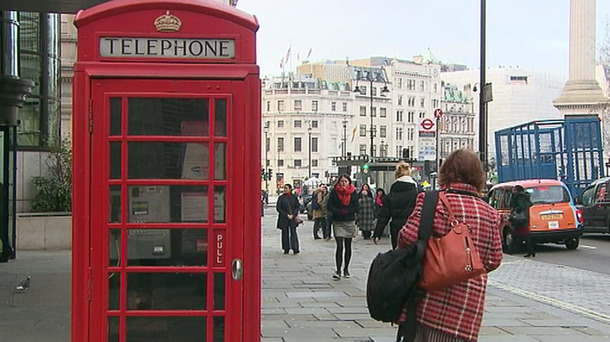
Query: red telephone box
(166,143)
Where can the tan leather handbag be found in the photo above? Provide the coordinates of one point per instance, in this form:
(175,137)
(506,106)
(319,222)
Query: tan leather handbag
(450,259)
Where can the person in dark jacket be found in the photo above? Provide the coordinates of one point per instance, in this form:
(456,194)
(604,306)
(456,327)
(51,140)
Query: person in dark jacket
(343,204)
(398,204)
(520,204)
(287,208)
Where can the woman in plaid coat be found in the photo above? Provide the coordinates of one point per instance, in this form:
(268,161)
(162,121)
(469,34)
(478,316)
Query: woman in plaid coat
(365,219)
(454,314)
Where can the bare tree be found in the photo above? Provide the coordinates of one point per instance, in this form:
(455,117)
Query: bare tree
(604,110)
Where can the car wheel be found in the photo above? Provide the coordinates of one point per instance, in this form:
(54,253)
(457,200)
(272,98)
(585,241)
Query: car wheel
(507,240)
(572,244)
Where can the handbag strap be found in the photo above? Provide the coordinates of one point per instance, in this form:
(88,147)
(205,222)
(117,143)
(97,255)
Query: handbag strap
(445,202)
(427,217)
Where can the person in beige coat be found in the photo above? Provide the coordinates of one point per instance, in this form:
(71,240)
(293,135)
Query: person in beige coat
(319,212)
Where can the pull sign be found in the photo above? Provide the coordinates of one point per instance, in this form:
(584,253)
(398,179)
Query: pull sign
(137,47)
(219,243)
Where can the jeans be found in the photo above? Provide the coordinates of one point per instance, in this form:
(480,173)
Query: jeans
(319,224)
(290,239)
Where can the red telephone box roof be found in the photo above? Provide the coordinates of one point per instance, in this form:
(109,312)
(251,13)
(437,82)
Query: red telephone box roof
(209,7)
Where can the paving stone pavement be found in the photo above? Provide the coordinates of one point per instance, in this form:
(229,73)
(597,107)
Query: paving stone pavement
(526,300)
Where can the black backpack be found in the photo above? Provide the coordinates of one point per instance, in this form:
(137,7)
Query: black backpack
(314,202)
(393,275)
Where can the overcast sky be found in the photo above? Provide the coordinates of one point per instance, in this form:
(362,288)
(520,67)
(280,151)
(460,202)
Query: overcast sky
(526,33)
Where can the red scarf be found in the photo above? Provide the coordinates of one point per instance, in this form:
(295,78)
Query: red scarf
(378,201)
(344,194)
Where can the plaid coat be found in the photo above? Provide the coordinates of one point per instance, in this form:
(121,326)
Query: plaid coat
(365,219)
(458,310)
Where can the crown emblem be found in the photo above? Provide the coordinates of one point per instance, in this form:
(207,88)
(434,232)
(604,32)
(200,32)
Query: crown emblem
(167,23)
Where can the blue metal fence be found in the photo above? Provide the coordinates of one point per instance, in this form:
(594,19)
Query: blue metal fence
(569,150)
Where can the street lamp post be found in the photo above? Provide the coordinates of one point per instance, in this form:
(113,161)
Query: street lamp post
(309,131)
(482,103)
(344,149)
(266,159)
(369,76)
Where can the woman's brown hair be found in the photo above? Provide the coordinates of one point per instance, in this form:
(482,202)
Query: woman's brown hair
(462,166)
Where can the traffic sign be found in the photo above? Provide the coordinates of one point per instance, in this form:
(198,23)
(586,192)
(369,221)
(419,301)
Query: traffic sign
(427,124)
(438,113)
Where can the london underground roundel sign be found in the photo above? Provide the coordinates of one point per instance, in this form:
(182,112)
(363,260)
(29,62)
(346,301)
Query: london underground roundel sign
(427,124)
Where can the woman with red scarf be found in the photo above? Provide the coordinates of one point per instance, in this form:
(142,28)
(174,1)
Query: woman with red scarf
(343,204)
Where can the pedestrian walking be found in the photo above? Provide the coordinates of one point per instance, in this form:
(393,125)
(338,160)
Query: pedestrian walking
(398,204)
(365,219)
(379,195)
(288,208)
(319,214)
(343,204)
(454,313)
(520,204)
(327,229)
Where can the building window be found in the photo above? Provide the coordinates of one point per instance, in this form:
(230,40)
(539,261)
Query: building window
(422,102)
(411,117)
(363,130)
(383,112)
(39,61)
(267,144)
(422,115)
(374,111)
(298,124)
(362,110)
(399,115)
(411,101)
(398,133)
(382,131)
(333,106)
(436,87)
(400,100)
(297,144)
(314,144)
(298,105)
(345,106)
(362,150)
(400,85)
(314,105)
(268,106)
(314,162)
(374,90)
(280,123)
(434,103)
(362,90)
(297,163)
(314,124)
(280,105)
(280,144)
(280,162)
(422,86)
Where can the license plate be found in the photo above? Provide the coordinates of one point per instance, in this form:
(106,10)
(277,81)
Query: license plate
(553,224)
(551,217)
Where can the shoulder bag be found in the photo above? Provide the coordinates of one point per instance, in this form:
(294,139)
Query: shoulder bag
(450,259)
(295,218)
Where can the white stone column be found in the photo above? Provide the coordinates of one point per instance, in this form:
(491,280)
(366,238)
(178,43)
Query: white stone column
(581,93)
(582,40)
